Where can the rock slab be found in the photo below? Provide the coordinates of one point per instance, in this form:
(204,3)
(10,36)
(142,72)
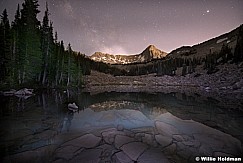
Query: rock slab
(121,140)
(153,156)
(85,141)
(134,149)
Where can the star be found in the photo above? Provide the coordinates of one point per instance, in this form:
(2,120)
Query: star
(208,11)
(122,24)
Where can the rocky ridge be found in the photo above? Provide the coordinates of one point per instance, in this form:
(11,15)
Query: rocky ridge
(150,53)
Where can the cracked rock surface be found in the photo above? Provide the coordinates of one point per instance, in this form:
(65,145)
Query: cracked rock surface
(176,140)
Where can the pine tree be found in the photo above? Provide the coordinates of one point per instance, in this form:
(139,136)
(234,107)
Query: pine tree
(52,67)
(69,52)
(29,53)
(15,31)
(62,58)
(47,47)
(30,49)
(238,54)
(225,53)
(5,48)
(184,68)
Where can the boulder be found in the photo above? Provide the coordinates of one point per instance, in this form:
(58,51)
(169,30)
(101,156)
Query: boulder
(148,139)
(72,107)
(207,88)
(24,91)
(163,140)
(120,127)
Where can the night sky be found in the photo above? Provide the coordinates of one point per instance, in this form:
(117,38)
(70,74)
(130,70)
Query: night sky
(129,26)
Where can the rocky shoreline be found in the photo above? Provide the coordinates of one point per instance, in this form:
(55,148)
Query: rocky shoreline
(224,85)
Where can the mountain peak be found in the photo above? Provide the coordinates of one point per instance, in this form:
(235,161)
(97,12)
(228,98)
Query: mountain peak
(153,52)
(151,47)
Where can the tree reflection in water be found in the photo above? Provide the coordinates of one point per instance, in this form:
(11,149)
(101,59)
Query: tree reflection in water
(35,121)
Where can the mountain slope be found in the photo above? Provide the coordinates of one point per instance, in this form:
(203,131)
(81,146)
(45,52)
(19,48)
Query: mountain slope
(213,45)
(150,53)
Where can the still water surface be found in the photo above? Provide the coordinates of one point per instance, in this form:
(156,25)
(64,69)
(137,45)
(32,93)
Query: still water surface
(31,123)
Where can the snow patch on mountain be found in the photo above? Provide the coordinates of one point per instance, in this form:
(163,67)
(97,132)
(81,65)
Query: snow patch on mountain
(221,40)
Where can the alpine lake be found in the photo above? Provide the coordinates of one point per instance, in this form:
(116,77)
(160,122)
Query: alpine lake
(118,127)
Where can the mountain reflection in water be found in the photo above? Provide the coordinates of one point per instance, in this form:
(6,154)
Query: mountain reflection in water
(44,120)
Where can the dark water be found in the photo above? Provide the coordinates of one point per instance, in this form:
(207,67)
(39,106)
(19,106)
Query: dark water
(27,124)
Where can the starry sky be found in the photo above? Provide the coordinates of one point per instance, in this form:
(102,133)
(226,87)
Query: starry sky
(129,26)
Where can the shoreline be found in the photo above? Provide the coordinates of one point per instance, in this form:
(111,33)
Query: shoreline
(226,85)
(228,80)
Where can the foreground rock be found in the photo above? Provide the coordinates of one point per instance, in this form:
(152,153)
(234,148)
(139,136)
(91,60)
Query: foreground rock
(85,141)
(163,140)
(193,138)
(90,155)
(120,140)
(171,139)
(153,156)
(121,157)
(166,129)
(134,150)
